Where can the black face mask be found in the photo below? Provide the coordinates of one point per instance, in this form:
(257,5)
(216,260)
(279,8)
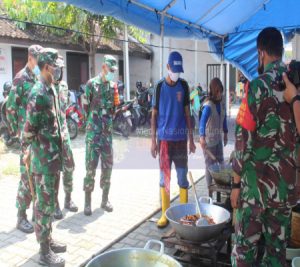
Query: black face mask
(260,68)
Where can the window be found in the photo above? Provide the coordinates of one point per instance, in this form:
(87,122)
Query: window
(19,59)
(214,71)
(77,70)
(121,68)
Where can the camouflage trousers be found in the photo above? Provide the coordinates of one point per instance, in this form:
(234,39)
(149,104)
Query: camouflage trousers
(98,145)
(68,168)
(24,197)
(253,222)
(44,205)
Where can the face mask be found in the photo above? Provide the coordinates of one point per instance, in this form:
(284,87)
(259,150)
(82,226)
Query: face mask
(57,74)
(109,76)
(36,70)
(260,68)
(173,76)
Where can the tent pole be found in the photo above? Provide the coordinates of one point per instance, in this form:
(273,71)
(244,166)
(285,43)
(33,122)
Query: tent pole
(228,90)
(161,61)
(196,63)
(126,63)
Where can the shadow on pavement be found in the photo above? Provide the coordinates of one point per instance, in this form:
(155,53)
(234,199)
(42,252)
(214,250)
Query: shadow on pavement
(12,237)
(77,222)
(32,261)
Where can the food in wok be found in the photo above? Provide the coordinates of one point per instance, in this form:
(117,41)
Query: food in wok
(192,219)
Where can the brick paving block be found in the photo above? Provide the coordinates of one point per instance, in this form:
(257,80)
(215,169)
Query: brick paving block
(4,236)
(130,242)
(118,246)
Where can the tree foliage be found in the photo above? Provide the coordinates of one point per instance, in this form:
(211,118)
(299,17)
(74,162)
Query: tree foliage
(89,29)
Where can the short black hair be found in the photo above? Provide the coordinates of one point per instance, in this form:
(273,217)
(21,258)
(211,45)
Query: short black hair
(270,40)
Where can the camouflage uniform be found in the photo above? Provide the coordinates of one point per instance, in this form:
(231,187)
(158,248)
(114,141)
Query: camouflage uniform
(16,114)
(99,99)
(67,155)
(42,131)
(265,161)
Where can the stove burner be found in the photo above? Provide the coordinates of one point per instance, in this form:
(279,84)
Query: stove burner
(215,252)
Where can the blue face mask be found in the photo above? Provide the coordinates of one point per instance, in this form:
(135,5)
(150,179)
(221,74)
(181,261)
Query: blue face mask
(36,70)
(109,76)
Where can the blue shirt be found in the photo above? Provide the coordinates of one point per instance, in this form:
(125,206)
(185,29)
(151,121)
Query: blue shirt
(205,116)
(170,102)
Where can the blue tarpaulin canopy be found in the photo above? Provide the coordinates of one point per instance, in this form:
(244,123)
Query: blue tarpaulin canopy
(231,26)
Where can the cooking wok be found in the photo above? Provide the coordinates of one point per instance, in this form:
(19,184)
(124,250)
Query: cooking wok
(135,257)
(198,233)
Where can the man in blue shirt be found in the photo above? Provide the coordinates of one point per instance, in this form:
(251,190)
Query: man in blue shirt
(171,121)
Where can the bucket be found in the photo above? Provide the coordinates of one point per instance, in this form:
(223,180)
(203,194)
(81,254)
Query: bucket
(296,262)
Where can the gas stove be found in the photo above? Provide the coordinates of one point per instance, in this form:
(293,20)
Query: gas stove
(212,253)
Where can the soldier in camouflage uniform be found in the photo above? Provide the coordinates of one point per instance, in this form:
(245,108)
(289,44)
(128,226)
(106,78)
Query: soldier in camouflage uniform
(68,161)
(101,96)
(16,113)
(43,136)
(264,165)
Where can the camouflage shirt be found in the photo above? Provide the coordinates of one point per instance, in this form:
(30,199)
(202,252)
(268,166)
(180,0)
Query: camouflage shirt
(98,101)
(42,129)
(265,157)
(62,92)
(17,100)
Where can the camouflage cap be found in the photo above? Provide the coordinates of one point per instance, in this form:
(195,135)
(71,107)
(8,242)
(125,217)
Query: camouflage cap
(111,62)
(50,56)
(34,50)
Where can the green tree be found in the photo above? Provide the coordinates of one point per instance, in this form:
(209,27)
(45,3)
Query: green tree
(91,29)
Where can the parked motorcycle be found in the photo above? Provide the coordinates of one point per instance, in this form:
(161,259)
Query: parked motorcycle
(75,112)
(75,120)
(142,106)
(122,122)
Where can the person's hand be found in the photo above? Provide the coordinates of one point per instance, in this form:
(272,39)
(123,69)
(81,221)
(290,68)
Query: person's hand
(225,139)
(290,91)
(26,158)
(192,147)
(203,142)
(234,197)
(154,149)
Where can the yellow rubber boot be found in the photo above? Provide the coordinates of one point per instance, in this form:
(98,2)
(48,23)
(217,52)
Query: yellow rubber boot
(183,195)
(165,204)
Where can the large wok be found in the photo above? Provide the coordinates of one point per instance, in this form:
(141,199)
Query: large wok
(198,233)
(135,257)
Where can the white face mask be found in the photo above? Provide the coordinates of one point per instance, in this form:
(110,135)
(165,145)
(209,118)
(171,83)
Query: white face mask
(173,76)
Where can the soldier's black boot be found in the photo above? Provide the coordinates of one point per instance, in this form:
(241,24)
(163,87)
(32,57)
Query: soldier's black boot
(87,204)
(69,204)
(58,213)
(57,247)
(105,204)
(48,257)
(23,224)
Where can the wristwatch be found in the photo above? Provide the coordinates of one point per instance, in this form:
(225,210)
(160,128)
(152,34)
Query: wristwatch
(235,185)
(295,98)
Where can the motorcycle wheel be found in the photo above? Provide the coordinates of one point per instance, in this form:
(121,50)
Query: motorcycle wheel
(135,121)
(125,128)
(72,128)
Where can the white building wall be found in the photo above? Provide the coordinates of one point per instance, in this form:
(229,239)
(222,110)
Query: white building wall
(5,66)
(188,59)
(140,70)
(296,47)
(63,53)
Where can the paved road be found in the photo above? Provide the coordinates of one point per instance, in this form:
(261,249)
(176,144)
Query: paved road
(134,194)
